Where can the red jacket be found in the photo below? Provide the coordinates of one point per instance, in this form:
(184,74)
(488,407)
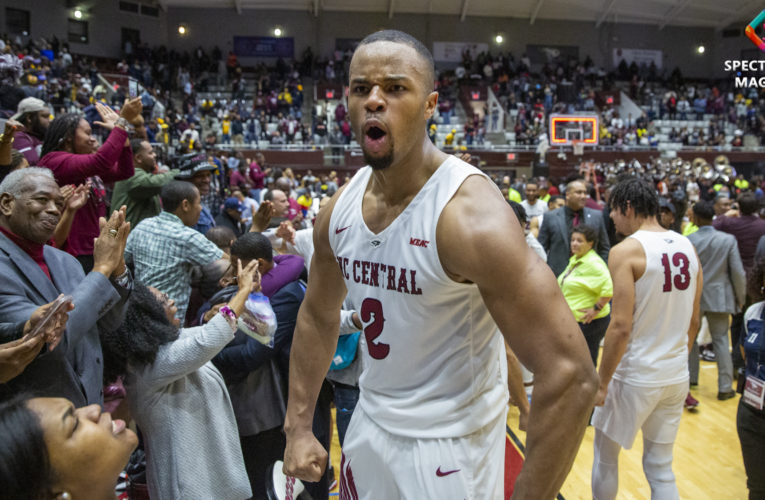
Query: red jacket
(112,162)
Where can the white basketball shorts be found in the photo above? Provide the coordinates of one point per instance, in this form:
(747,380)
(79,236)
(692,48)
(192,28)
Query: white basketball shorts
(377,464)
(629,408)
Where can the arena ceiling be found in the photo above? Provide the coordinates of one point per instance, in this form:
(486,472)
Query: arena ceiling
(707,13)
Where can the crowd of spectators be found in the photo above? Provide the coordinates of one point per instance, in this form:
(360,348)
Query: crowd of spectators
(158,258)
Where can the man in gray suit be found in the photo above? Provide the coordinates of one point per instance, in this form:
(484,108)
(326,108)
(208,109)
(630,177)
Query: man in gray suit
(723,293)
(35,273)
(555,233)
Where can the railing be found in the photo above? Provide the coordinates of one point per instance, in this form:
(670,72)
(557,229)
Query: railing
(499,148)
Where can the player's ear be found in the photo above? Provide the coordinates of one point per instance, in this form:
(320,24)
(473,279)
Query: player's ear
(430,104)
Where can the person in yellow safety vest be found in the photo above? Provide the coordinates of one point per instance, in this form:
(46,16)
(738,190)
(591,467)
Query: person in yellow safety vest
(513,195)
(741,183)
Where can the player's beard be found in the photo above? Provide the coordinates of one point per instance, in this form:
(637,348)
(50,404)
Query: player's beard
(379,162)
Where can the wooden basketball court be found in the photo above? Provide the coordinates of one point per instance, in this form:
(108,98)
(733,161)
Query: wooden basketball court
(707,464)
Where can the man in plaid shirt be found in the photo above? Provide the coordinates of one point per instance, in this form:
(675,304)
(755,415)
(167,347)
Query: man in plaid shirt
(165,248)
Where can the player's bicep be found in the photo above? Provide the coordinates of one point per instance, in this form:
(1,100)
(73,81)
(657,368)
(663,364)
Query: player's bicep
(518,288)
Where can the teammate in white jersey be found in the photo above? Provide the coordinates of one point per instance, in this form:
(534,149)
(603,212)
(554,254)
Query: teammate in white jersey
(434,260)
(654,319)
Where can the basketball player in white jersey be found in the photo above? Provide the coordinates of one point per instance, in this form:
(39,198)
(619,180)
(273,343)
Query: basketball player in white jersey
(654,319)
(434,260)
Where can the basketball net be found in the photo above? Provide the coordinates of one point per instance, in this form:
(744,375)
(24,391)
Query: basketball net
(578,148)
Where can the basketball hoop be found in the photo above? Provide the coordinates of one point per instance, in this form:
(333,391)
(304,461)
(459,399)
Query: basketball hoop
(578,148)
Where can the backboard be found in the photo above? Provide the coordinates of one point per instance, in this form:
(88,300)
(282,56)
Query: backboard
(565,130)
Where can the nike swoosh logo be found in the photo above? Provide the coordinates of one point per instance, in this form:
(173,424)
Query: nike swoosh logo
(340,230)
(439,473)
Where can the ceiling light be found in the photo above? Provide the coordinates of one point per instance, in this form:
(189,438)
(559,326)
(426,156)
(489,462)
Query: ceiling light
(78,14)
(277,32)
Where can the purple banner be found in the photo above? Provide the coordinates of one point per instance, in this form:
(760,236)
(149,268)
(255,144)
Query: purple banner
(264,46)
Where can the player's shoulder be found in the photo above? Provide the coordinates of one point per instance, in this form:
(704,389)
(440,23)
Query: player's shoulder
(321,225)
(625,251)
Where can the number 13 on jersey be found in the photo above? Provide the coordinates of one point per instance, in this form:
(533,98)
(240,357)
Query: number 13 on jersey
(682,278)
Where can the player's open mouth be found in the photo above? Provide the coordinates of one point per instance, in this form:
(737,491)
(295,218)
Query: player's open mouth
(375,138)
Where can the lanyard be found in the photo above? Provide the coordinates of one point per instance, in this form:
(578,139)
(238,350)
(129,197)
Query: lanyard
(571,271)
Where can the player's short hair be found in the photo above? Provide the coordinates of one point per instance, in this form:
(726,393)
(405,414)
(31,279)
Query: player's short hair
(397,36)
(222,236)
(704,210)
(748,203)
(252,246)
(590,233)
(636,193)
(174,192)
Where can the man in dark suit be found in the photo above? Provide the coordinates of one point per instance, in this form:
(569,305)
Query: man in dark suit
(35,273)
(555,233)
(723,293)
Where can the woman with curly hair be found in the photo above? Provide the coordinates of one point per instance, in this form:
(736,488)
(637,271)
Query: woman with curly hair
(750,419)
(177,397)
(49,449)
(71,151)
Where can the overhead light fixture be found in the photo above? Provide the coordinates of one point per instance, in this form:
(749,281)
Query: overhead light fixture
(78,14)
(499,39)
(701,49)
(277,32)
(181,29)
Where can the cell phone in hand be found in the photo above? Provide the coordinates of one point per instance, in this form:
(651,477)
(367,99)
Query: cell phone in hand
(132,88)
(50,317)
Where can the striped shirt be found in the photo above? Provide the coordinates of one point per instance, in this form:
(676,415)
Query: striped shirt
(164,251)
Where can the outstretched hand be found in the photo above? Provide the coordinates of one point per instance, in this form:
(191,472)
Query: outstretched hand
(286,231)
(262,218)
(131,110)
(109,247)
(108,116)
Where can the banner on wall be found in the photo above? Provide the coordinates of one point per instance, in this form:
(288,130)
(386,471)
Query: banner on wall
(452,51)
(543,54)
(639,57)
(264,46)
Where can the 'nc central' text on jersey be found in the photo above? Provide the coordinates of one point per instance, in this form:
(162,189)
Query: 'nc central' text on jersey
(379,275)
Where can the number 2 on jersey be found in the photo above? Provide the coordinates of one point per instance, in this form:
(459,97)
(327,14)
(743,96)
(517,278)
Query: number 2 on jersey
(372,308)
(682,279)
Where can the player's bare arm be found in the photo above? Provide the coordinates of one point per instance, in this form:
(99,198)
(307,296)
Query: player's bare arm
(693,328)
(480,241)
(313,345)
(626,264)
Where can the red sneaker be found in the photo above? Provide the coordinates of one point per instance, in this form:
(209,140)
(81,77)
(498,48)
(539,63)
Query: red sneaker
(691,403)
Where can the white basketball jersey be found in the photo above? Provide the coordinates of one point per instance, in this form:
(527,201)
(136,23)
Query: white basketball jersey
(434,361)
(657,353)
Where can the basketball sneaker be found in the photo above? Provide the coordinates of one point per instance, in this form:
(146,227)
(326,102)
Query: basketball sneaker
(691,403)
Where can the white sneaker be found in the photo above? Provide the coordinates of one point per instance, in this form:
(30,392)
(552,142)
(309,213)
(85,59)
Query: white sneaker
(282,487)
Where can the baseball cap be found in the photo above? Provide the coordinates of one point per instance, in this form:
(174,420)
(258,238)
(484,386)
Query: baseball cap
(192,164)
(30,105)
(233,203)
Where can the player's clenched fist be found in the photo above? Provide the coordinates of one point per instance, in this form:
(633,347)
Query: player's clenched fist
(305,458)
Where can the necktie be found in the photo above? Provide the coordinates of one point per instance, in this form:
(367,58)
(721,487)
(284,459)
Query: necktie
(576,219)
